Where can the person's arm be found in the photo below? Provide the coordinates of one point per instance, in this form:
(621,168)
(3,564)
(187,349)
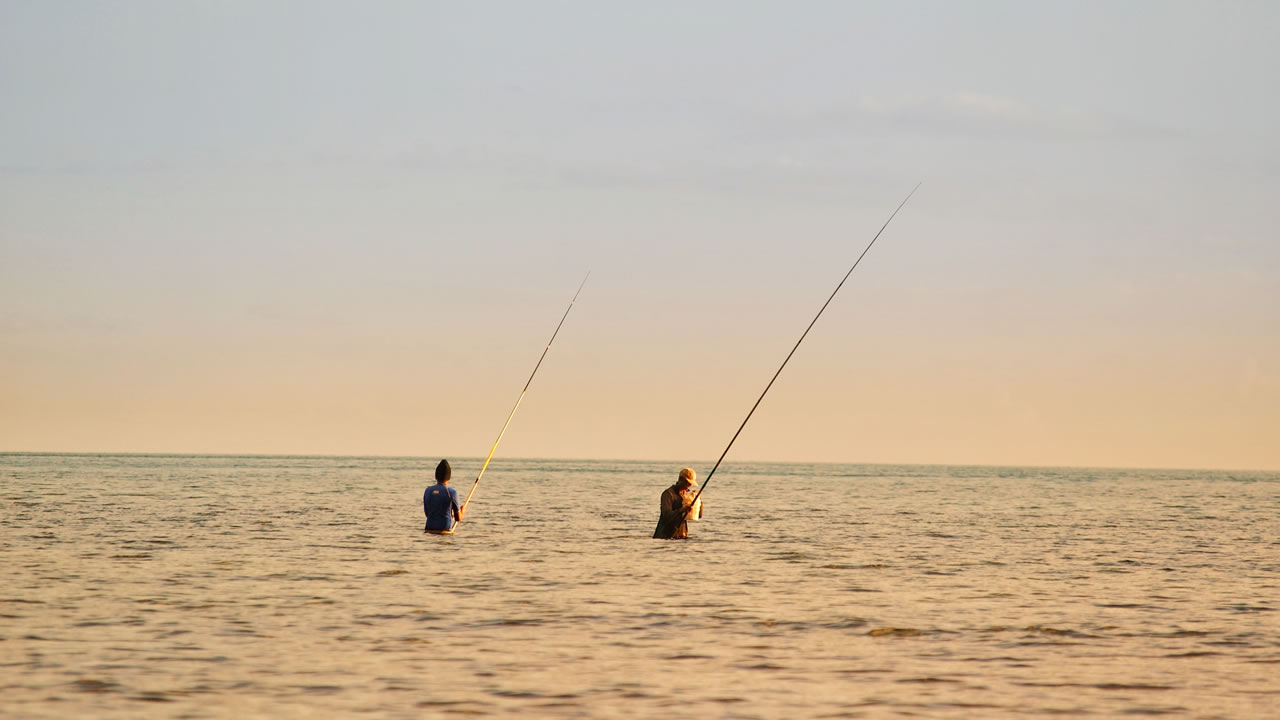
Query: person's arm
(458,512)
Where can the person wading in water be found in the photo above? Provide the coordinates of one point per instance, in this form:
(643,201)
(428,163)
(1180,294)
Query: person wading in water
(440,503)
(677,508)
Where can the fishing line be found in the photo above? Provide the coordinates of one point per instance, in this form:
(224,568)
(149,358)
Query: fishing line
(685,512)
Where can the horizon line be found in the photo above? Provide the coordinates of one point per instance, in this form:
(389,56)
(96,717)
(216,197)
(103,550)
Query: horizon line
(114,453)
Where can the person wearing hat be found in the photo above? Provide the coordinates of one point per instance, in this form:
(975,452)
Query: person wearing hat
(440,503)
(678,507)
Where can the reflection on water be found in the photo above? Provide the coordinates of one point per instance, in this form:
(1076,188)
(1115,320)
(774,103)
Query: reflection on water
(141,586)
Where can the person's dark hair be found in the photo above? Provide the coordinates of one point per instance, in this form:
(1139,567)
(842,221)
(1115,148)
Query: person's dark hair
(443,471)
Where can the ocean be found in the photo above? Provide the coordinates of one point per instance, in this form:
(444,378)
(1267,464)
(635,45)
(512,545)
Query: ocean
(148,586)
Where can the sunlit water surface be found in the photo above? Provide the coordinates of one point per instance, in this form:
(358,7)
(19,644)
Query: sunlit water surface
(226,587)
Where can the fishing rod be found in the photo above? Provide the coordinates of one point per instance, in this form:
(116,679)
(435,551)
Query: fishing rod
(518,399)
(685,512)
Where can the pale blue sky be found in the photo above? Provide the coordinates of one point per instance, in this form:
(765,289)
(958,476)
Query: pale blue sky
(349,228)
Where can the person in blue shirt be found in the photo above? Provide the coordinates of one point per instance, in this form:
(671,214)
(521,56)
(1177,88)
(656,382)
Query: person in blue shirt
(440,503)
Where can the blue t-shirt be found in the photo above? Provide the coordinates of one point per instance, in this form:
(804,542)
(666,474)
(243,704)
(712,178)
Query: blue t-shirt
(439,502)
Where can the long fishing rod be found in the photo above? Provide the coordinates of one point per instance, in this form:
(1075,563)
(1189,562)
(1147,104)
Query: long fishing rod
(685,512)
(522,392)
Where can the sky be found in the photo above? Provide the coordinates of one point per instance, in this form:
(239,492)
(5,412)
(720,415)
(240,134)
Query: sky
(350,228)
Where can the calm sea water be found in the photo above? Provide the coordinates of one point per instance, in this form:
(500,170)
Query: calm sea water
(212,587)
